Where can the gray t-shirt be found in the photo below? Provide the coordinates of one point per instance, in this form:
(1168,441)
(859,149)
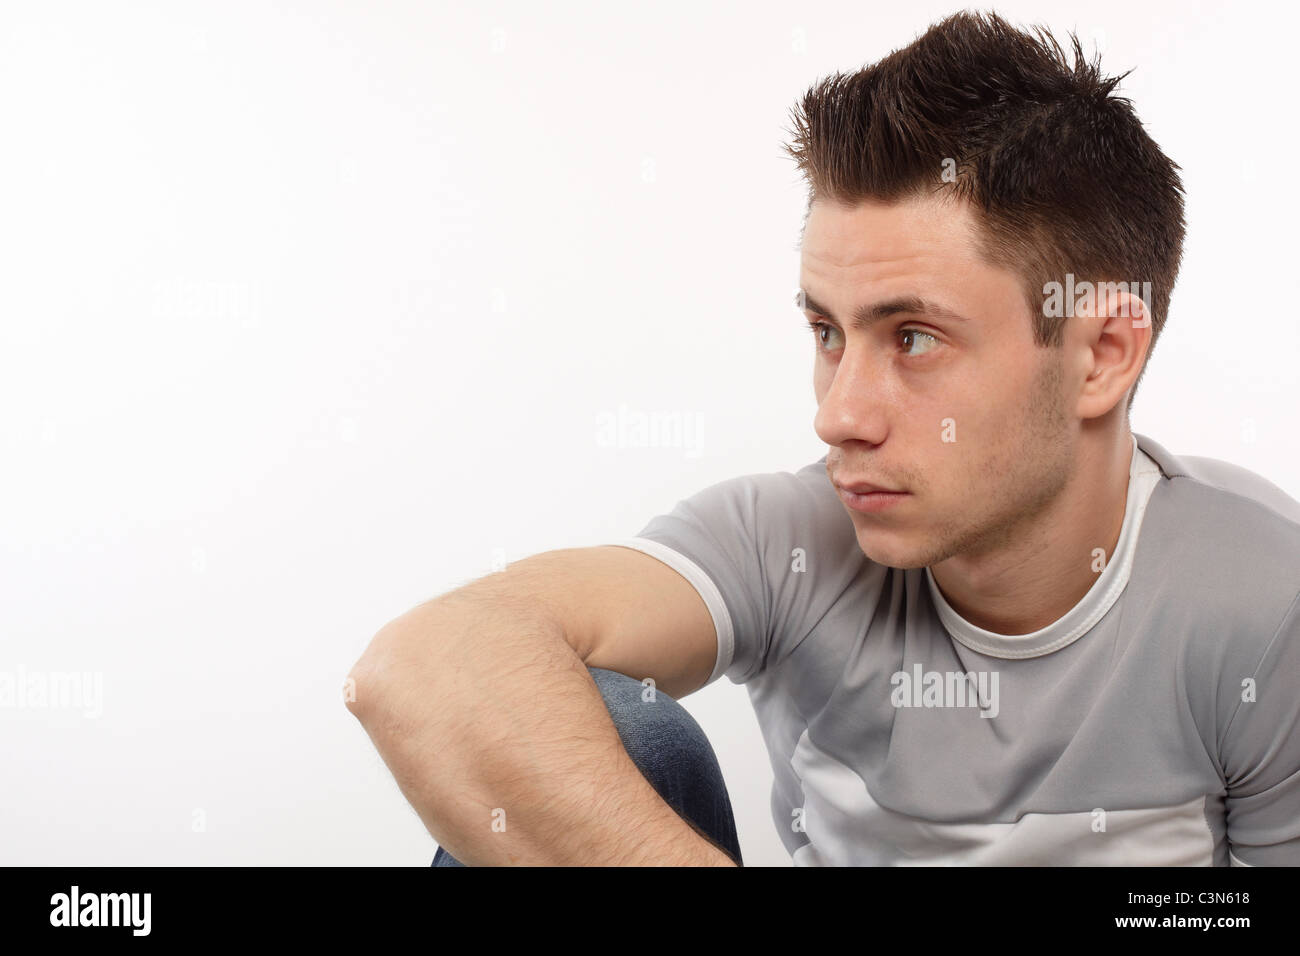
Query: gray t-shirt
(1157,723)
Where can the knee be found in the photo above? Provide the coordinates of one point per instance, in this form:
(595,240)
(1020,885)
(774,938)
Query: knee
(638,703)
(658,733)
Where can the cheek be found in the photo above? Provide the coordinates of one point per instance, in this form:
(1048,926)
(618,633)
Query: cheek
(971,412)
(823,375)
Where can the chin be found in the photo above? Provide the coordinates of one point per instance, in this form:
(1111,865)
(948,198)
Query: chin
(894,551)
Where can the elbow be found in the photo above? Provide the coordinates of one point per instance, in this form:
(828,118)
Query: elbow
(353,694)
(393,674)
(366,684)
(360,688)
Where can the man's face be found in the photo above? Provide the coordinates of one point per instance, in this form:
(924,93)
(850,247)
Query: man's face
(954,406)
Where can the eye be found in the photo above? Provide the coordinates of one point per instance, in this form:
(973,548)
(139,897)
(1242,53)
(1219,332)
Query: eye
(916,342)
(820,329)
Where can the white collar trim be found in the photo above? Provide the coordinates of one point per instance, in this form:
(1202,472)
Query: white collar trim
(1144,475)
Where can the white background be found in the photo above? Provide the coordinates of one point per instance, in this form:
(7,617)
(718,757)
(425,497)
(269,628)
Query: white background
(310,312)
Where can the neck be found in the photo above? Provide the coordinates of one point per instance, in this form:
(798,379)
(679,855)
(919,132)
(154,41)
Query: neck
(1046,565)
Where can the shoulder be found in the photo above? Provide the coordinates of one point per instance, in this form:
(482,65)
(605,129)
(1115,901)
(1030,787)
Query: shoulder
(760,520)
(1225,516)
(782,519)
(1220,545)
(1228,485)
(772,501)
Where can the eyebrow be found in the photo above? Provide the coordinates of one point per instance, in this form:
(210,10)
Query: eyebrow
(865,315)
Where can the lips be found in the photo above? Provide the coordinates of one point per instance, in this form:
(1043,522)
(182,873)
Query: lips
(867,497)
(865,488)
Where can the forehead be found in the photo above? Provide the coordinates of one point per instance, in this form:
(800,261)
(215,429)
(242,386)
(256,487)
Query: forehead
(854,257)
(838,236)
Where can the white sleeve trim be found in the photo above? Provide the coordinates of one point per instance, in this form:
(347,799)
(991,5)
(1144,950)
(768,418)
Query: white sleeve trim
(1234,860)
(707,590)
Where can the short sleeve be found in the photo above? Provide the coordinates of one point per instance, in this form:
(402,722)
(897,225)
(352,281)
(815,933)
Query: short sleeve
(711,539)
(743,543)
(1261,757)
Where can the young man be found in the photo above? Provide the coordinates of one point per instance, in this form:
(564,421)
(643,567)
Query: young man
(991,626)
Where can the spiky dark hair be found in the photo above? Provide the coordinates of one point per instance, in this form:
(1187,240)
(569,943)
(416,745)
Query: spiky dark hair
(1060,171)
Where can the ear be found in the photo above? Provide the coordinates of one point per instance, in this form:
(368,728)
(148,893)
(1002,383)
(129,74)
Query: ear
(1114,336)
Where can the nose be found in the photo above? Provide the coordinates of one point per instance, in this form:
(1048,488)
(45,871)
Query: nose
(856,404)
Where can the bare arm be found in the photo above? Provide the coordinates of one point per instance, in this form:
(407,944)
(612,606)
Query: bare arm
(481,705)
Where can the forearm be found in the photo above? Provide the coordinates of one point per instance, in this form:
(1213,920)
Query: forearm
(499,738)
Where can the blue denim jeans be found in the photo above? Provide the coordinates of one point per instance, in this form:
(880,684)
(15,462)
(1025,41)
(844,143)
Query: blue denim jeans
(670,749)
